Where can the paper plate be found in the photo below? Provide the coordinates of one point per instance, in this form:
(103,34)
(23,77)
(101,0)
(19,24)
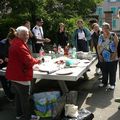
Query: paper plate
(64,72)
(46,67)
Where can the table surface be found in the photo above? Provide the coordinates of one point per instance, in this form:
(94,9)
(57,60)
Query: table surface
(77,72)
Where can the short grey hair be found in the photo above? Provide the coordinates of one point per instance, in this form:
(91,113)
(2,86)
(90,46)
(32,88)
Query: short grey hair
(21,29)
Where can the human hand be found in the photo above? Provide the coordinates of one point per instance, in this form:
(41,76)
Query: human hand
(6,59)
(36,67)
(1,61)
(100,58)
(47,40)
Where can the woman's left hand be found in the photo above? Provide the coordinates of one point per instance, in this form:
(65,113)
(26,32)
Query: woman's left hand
(1,61)
(6,59)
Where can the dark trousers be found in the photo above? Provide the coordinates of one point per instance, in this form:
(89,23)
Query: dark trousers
(22,100)
(109,72)
(82,46)
(7,87)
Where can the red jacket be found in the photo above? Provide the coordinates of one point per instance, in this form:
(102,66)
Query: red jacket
(20,62)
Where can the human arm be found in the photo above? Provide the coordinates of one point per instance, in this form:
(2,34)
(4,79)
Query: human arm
(99,48)
(39,35)
(99,53)
(116,40)
(26,58)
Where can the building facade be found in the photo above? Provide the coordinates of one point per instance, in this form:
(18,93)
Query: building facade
(107,12)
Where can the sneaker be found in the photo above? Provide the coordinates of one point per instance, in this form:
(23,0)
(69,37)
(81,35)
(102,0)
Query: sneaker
(10,99)
(101,85)
(100,72)
(100,79)
(117,100)
(19,117)
(112,87)
(34,117)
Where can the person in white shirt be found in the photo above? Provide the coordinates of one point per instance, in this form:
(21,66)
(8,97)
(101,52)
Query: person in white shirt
(39,35)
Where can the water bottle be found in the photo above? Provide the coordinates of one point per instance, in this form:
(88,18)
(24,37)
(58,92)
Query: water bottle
(74,54)
(41,52)
(70,53)
(55,48)
(59,49)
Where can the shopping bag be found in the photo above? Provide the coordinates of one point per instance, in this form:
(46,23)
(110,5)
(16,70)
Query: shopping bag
(45,102)
(83,114)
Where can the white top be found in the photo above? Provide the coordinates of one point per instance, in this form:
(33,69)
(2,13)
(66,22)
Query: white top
(23,82)
(81,35)
(38,32)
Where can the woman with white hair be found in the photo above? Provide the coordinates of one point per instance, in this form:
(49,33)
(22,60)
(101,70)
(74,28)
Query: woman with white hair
(107,52)
(20,71)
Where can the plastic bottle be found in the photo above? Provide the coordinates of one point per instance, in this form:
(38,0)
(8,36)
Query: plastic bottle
(59,49)
(74,54)
(55,48)
(41,52)
(62,51)
(70,52)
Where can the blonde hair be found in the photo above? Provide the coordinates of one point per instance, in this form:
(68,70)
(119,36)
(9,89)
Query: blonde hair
(80,20)
(95,24)
(107,25)
(61,24)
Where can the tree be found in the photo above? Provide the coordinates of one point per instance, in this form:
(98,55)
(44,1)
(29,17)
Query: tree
(52,11)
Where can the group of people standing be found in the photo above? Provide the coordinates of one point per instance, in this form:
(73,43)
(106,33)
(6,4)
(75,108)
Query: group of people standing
(19,60)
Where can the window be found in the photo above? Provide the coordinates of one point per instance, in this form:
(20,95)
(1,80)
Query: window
(114,23)
(114,10)
(100,22)
(99,11)
(112,0)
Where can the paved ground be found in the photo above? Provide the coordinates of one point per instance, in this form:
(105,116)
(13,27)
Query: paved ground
(95,99)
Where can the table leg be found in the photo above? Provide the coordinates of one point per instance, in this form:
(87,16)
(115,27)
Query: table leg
(63,86)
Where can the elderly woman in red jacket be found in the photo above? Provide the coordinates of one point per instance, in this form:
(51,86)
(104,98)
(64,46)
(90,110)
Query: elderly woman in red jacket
(20,71)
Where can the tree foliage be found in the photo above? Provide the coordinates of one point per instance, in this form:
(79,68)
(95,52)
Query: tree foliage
(52,11)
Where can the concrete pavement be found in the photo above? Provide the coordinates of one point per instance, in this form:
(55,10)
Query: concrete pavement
(97,100)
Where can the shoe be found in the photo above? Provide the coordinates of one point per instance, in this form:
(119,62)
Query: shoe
(111,87)
(117,100)
(10,99)
(34,117)
(101,85)
(19,117)
(100,79)
(100,72)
